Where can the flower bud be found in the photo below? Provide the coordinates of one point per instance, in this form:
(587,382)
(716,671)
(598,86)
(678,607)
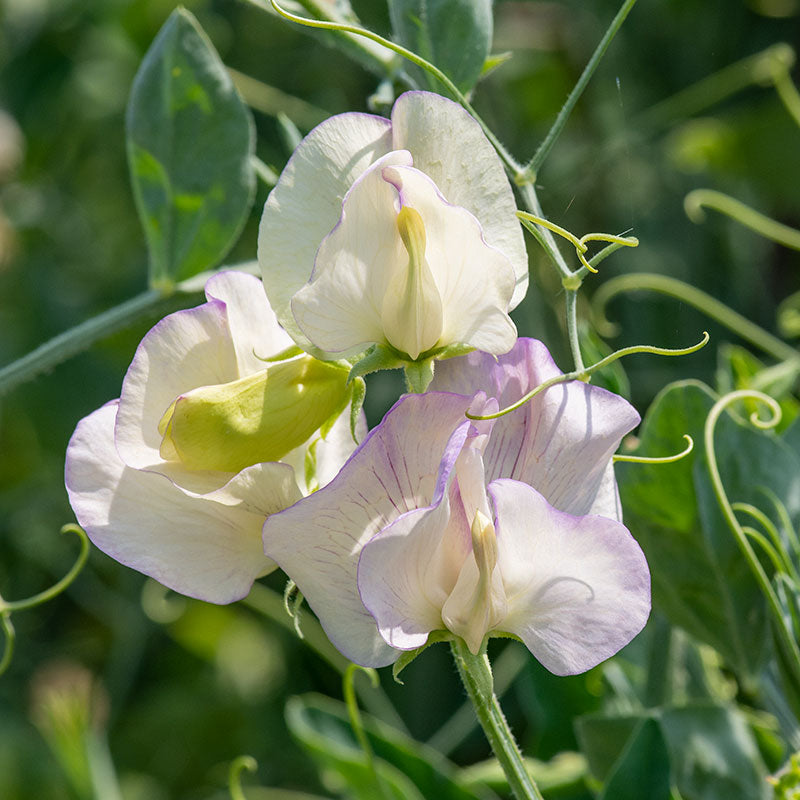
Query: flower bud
(255,419)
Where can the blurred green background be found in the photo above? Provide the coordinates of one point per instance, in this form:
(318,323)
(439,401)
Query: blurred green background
(182,688)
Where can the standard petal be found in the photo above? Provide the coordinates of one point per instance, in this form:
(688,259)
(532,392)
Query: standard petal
(475,281)
(307,201)
(449,146)
(339,310)
(402,465)
(197,546)
(184,351)
(561,442)
(253,327)
(578,588)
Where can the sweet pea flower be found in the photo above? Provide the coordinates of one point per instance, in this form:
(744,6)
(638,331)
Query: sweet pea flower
(510,526)
(207,439)
(399,232)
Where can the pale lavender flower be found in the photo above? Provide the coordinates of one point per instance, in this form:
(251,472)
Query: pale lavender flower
(479,528)
(168,481)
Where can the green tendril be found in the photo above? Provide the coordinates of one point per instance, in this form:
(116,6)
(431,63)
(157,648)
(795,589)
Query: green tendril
(658,459)
(708,305)
(764,543)
(8,607)
(587,372)
(579,244)
(353,712)
(695,202)
(57,588)
(784,563)
(239,765)
(292,602)
(784,635)
(508,160)
(785,519)
(9,636)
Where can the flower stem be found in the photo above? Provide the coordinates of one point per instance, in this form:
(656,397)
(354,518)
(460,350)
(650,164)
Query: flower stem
(563,115)
(476,674)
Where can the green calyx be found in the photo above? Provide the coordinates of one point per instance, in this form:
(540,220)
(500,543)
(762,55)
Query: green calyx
(255,419)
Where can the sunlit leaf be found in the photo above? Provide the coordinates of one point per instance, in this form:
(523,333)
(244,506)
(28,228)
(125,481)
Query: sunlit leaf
(454,35)
(190,140)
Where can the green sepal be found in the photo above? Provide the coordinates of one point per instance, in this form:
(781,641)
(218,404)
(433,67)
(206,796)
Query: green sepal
(434,637)
(452,351)
(356,404)
(419,375)
(284,355)
(378,357)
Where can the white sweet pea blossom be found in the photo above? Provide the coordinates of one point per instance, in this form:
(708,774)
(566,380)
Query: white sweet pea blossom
(176,477)
(399,232)
(508,526)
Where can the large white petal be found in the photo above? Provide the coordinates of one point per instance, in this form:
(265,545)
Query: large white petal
(339,310)
(451,149)
(402,465)
(475,281)
(184,351)
(578,588)
(307,202)
(197,546)
(254,329)
(561,442)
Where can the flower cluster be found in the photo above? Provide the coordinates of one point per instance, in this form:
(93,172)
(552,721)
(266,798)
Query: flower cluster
(399,234)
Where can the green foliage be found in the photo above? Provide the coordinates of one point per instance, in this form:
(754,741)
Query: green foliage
(455,35)
(700,579)
(406,768)
(707,752)
(190,141)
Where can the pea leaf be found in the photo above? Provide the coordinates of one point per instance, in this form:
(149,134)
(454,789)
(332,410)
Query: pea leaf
(454,35)
(700,579)
(707,751)
(407,768)
(190,140)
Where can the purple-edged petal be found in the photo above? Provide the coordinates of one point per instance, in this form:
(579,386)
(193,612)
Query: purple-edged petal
(407,571)
(578,588)
(306,203)
(561,442)
(449,146)
(199,546)
(252,325)
(402,465)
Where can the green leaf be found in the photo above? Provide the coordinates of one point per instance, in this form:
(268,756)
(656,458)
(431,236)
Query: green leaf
(322,726)
(700,579)
(709,751)
(713,754)
(644,762)
(454,35)
(190,141)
